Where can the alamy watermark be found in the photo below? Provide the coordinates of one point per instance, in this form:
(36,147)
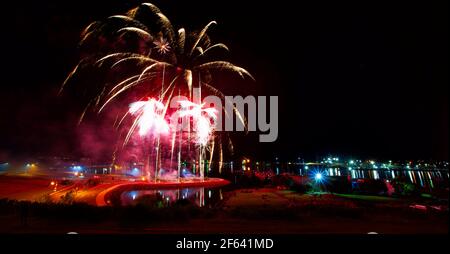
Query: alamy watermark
(237,113)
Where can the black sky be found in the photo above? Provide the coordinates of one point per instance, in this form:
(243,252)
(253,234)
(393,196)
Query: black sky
(367,80)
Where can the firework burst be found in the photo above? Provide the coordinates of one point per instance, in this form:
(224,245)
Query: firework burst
(162,46)
(204,119)
(162,60)
(150,116)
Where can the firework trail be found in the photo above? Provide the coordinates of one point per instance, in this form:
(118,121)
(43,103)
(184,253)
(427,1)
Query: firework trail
(147,51)
(201,117)
(164,49)
(150,116)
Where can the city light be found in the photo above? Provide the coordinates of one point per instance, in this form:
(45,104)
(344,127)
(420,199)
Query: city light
(76,168)
(318,177)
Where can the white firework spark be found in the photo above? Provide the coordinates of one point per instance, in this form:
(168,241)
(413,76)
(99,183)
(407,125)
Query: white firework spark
(162,45)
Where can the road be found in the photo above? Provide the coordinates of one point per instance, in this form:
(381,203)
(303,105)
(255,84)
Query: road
(32,188)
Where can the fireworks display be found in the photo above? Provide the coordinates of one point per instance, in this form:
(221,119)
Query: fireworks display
(150,116)
(156,62)
(202,119)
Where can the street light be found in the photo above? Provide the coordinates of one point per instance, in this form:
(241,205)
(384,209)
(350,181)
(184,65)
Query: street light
(318,177)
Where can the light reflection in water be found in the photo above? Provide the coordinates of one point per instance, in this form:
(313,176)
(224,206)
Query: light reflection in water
(429,178)
(167,197)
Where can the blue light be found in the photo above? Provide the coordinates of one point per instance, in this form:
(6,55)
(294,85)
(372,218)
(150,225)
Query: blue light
(76,168)
(133,194)
(318,177)
(135,172)
(186,173)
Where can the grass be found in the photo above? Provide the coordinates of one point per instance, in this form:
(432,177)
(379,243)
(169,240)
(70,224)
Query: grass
(367,197)
(255,197)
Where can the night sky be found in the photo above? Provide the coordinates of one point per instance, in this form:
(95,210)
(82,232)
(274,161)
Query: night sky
(366,80)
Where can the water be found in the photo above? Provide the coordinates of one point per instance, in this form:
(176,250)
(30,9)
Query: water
(198,196)
(423,177)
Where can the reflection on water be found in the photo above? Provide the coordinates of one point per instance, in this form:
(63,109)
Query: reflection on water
(420,177)
(199,196)
(423,178)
